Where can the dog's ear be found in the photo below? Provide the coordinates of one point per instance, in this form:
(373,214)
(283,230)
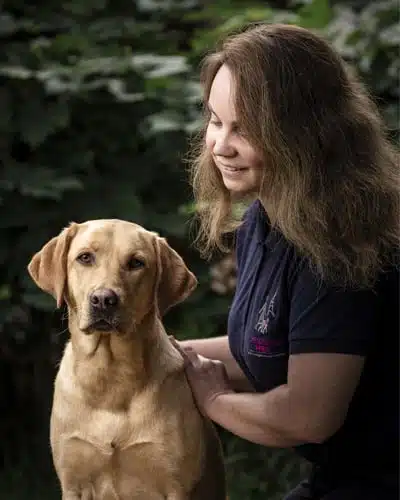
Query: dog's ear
(175,281)
(48,267)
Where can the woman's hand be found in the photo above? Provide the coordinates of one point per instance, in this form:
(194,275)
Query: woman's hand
(207,377)
(245,414)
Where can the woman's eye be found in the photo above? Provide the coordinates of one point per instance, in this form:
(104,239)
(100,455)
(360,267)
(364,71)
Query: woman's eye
(134,263)
(85,258)
(214,121)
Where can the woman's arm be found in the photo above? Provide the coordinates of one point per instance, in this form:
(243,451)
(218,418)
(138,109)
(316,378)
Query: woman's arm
(218,348)
(308,409)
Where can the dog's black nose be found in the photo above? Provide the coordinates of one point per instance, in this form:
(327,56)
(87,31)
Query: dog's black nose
(104,299)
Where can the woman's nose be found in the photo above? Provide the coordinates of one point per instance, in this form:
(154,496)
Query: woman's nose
(223,145)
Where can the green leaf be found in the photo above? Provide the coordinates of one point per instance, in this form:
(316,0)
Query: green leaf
(39,300)
(79,8)
(163,122)
(18,72)
(156,5)
(8,25)
(156,66)
(40,182)
(315,14)
(38,119)
(6,112)
(5,292)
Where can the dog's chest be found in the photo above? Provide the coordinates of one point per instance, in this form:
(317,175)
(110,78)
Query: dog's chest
(128,451)
(140,450)
(107,431)
(110,430)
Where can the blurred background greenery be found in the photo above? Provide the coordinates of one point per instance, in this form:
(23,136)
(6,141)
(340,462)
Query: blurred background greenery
(98,102)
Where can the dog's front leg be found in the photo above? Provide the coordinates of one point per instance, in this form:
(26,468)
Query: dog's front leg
(178,495)
(75,495)
(71,495)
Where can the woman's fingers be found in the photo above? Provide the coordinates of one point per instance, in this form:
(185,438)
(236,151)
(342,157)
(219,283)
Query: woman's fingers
(188,353)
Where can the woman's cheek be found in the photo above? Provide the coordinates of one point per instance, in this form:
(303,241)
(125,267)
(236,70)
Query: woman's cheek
(255,159)
(209,139)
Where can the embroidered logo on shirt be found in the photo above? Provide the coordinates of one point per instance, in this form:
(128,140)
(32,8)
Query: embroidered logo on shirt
(265,314)
(261,346)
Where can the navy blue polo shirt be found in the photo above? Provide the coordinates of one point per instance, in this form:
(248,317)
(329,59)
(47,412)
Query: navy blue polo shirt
(282,308)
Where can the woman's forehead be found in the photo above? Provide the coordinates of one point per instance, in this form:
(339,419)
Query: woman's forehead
(221,98)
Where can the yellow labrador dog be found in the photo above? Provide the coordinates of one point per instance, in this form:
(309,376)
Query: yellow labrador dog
(124,425)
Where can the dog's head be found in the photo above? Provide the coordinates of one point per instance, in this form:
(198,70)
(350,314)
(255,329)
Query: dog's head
(111,273)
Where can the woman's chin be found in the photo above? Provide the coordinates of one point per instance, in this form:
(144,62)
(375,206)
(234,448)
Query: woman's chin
(239,189)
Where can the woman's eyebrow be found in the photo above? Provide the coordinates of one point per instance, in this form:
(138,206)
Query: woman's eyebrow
(210,109)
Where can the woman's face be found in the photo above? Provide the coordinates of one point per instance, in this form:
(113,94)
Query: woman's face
(239,163)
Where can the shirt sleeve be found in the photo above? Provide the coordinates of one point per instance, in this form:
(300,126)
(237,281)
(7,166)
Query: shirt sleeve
(327,319)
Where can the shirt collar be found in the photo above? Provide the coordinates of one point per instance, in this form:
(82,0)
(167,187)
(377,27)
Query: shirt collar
(265,234)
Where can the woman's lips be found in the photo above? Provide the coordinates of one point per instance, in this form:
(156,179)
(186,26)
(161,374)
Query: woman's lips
(232,169)
(232,172)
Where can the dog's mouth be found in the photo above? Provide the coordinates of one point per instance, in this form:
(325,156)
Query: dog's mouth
(102,325)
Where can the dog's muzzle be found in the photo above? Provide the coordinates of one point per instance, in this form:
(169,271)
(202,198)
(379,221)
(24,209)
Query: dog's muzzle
(103,308)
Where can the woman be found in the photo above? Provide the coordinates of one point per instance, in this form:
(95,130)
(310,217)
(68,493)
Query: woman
(311,356)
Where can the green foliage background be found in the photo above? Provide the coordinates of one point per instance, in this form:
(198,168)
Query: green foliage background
(98,101)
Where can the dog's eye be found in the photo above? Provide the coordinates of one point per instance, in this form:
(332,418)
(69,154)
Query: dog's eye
(134,263)
(85,258)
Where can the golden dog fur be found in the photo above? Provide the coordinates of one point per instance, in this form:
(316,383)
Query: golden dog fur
(124,424)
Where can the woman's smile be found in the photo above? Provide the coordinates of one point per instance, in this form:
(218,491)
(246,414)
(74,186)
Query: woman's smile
(239,163)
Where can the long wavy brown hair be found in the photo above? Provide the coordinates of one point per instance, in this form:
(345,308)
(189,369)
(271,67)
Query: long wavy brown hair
(331,179)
